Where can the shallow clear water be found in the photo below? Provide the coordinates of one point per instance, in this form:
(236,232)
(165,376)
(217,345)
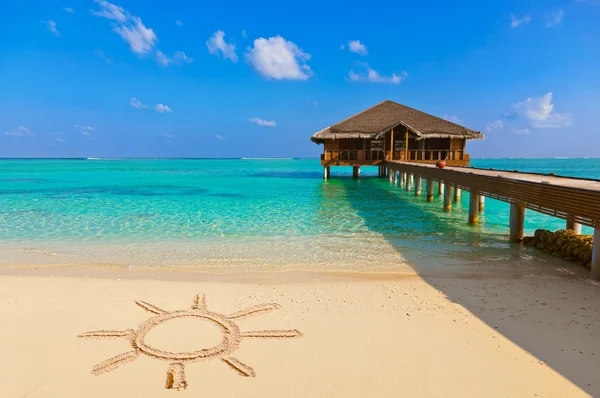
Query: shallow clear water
(244,213)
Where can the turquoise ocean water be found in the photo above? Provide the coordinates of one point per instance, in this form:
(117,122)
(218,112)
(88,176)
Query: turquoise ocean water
(247,213)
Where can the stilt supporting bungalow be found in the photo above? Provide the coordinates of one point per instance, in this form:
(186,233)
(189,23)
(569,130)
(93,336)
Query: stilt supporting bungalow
(356,171)
(418,181)
(517,222)
(429,190)
(481,203)
(572,225)
(440,188)
(474,207)
(326,172)
(409,181)
(447,196)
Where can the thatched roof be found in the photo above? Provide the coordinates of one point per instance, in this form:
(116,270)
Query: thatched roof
(381,118)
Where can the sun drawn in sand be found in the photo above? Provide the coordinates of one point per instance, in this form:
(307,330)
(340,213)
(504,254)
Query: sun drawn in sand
(231,338)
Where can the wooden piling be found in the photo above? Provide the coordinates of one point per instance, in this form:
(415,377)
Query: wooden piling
(596,255)
(456,193)
(326,172)
(429,190)
(440,188)
(447,196)
(409,179)
(356,171)
(481,203)
(517,222)
(418,181)
(473,207)
(572,225)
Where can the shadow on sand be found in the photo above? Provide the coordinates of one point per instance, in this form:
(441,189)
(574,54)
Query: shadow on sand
(546,306)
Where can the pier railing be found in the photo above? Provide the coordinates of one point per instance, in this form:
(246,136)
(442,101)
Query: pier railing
(352,156)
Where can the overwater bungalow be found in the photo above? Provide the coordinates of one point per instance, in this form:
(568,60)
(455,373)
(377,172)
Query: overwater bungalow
(391,131)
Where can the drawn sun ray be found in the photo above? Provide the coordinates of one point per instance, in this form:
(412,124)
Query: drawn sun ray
(231,339)
(254,310)
(272,333)
(107,334)
(241,368)
(151,308)
(114,362)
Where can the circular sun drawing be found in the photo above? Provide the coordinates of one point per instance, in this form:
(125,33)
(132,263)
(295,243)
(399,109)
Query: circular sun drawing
(231,338)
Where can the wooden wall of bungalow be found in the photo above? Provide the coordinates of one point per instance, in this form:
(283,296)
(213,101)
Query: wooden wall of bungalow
(368,151)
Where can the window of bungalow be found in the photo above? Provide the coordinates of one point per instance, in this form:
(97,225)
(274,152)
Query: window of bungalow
(377,145)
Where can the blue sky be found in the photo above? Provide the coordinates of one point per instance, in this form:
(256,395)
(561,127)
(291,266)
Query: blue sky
(242,79)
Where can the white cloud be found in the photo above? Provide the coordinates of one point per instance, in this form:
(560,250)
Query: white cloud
(137,104)
(68,9)
(356,46)
(540,113)
(371,75)
(131,29)
(140,39)
(515,21)
(216,43)
(100,54)
(58,137)
(244,33)
(51,25)
(520,131)
(85,130)
(178,58)
(277,58)
(111,11)
(220,137)
(453,119)
(494,127)
(19,132)
(554,18)
(162,108)
(264,123)
(178,23)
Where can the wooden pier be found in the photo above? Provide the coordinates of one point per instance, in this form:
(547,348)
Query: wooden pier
(406,144)
(576,200)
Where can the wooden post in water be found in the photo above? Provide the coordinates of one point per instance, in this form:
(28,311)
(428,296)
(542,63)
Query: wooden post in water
(356,171)
(390,173)
(326,172)
(474,206)
(596,254)
(517,222)
(409,179)
(440,187)
(481,203)
(429,189)
(447,196)
(418,181)
(572,225)
(402,178)
(456,193)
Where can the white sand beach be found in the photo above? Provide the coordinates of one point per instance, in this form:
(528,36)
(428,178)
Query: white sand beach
(360,335)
